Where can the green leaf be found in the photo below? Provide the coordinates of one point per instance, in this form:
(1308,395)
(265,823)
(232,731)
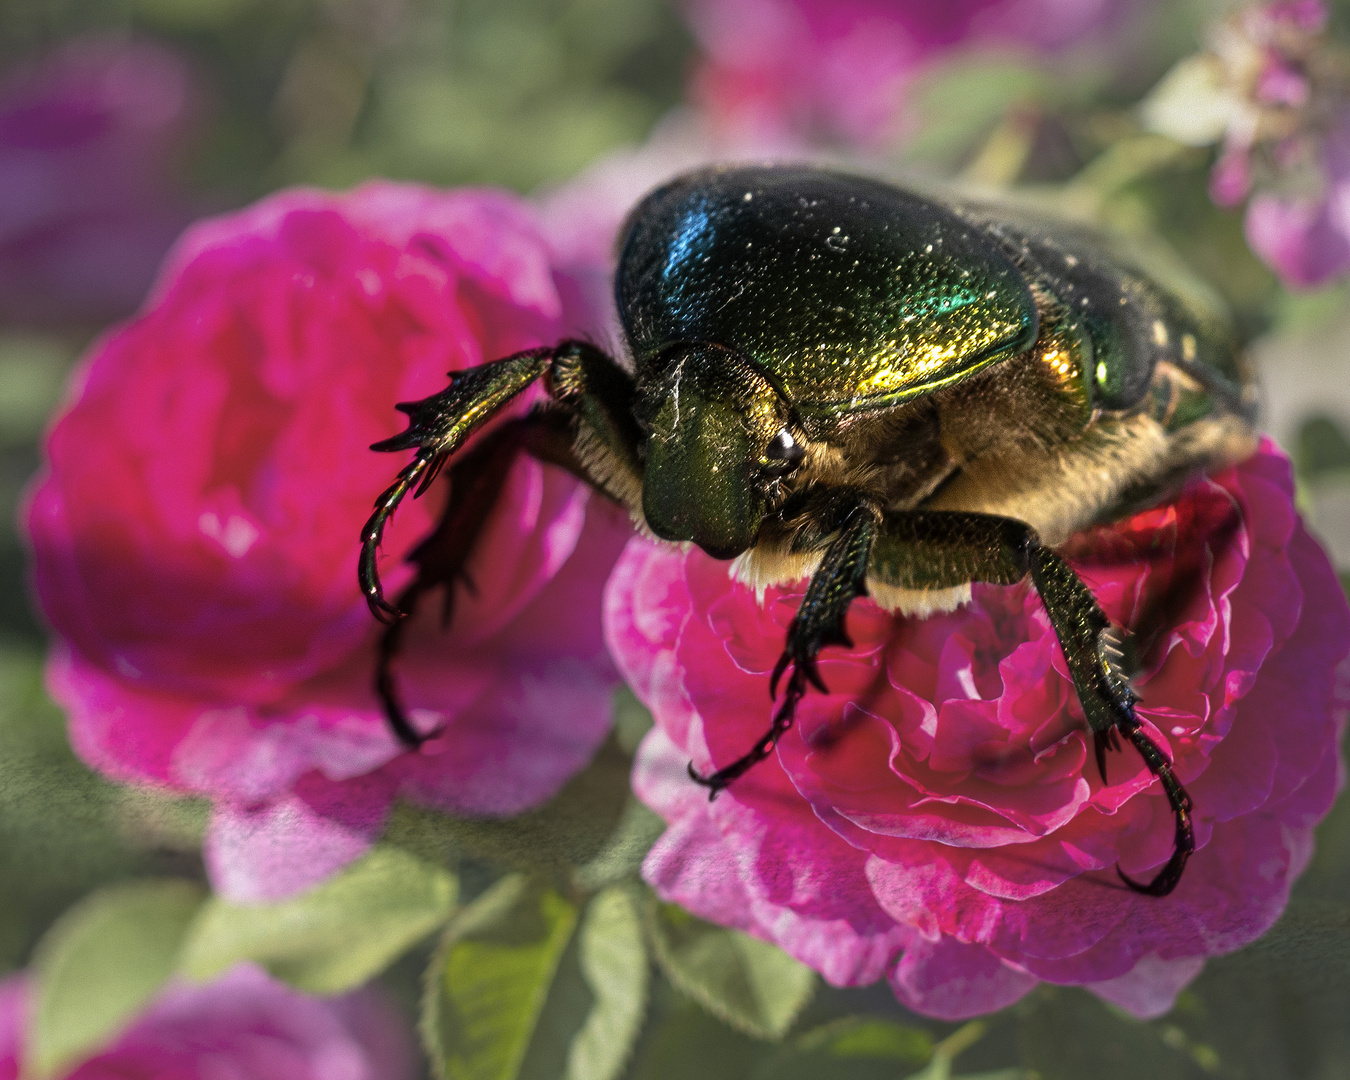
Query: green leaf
(1321,448)
(33,368)
(957,101)
(621,856)
(752,985)
(1067,1034)
(334,937)
(691,1042)
(854,1048)
(614,963)
(490,978)
(632,720)
(572,829)
(99,965)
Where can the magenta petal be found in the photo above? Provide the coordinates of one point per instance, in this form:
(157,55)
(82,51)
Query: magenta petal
(840,68)
(1150,988)
(951,981)
(13,1023)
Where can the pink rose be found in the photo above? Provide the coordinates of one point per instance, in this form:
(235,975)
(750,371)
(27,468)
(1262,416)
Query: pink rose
(196,533)
(88,204)
(242,1025)
(938,819)
(839,67)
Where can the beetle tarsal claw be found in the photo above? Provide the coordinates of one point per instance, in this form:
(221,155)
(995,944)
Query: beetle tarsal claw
(372,533)
(1102,741)
(1184,843)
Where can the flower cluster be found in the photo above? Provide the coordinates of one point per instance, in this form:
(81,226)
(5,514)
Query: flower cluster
(194,535)
(1271,92)
(839,68)
(937,818)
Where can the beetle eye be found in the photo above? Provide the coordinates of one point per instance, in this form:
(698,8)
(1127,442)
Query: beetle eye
(785,452)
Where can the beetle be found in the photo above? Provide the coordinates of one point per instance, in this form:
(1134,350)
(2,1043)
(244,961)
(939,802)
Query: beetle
(890,394)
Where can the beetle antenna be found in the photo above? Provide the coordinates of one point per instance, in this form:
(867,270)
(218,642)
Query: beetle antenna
(1166,879)
(372,533)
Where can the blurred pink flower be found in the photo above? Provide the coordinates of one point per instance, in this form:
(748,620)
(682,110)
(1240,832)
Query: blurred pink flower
(196,532)
(1305,239)
(839,67)
(88,206)
(937,818)
(242,1025)
(1269,91)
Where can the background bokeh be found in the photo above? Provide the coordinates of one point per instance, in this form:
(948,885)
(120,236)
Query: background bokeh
(122,120)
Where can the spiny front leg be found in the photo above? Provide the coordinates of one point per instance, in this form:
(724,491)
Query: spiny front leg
(438,427)
(440,558)
(591,407)
(840,578)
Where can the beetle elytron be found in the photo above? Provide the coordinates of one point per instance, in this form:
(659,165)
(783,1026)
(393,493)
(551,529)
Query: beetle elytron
(836,378)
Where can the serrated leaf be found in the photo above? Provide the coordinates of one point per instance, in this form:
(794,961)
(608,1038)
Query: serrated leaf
(854,1048)
(99,965)
(334,937)
(572,829)
(613,961)
(490,978)
(752,985)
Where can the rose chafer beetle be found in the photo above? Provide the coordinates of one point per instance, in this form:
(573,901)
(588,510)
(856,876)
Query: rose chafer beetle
(838,379)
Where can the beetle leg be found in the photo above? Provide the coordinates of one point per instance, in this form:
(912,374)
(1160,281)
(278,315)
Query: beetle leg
(475,480)
(937,549)
(1090,649)
(438,427)
(593,396)
(841,576)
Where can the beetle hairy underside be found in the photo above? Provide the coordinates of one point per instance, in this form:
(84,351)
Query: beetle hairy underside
(835,378)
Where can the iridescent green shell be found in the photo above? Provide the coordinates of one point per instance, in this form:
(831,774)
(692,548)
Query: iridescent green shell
(843,292)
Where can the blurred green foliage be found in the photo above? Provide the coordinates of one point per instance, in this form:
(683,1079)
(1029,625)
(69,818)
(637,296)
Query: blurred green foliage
(513,92)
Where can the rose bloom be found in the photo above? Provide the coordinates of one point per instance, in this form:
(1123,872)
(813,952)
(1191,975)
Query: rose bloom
(840,67)
(88,202)
(938,819)
(196,532)
(242,1025)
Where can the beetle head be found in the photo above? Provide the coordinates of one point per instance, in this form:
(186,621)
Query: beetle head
(717,441)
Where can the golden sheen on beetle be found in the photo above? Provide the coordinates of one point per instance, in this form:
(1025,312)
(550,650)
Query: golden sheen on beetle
(832,377)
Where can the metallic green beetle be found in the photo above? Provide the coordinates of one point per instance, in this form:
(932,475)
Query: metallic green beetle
(837,378)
